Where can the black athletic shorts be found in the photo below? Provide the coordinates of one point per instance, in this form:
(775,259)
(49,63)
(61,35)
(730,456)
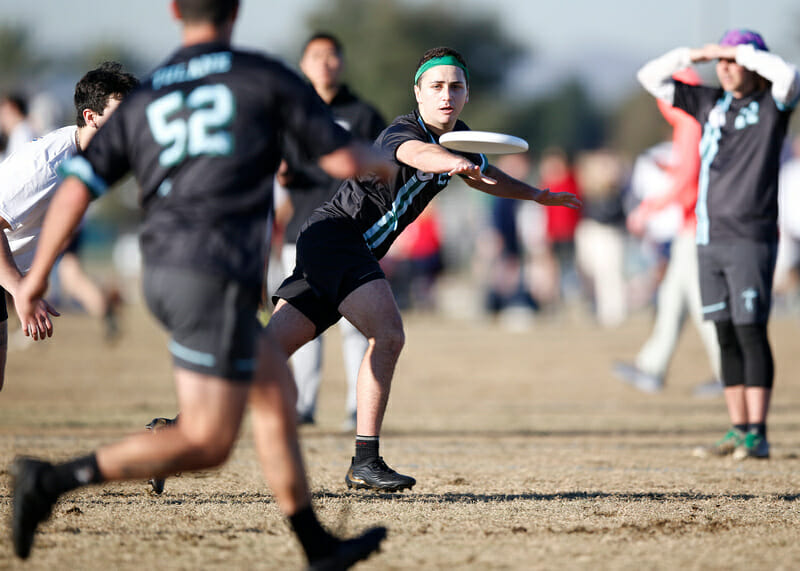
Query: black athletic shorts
(736,280)
(333,260)
(212,320)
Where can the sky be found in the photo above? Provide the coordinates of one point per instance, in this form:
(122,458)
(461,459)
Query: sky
(604,41)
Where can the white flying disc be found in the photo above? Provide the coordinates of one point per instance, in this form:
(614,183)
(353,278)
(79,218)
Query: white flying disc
(483,142)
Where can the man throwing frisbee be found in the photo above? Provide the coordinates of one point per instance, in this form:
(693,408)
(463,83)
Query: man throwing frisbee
(337,272)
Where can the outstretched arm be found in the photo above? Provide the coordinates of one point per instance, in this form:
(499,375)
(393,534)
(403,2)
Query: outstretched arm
(656,75)
(510,187)
(63,216)
(433,158)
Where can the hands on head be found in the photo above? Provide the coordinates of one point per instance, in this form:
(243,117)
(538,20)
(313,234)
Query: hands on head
(711,52)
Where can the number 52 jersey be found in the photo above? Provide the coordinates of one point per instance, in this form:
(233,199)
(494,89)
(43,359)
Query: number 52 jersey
(202,137)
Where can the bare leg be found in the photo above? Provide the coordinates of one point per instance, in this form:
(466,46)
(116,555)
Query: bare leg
(372,309)
(737,405)
(211,413)
(80,286)
(275,428)
(757,400)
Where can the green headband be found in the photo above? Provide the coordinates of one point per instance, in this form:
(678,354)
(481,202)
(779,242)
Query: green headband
(444,60)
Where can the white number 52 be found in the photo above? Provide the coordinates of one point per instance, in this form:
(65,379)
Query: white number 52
(202,133)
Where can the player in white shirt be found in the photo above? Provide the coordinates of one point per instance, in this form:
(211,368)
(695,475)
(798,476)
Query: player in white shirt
(28,179)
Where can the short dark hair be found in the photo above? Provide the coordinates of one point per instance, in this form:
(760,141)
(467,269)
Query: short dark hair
(441,52)
(106,81)
(214,11)
(337,45)
(18,101)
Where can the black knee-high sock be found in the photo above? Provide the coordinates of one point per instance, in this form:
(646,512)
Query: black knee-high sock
(316,542)
(62,478)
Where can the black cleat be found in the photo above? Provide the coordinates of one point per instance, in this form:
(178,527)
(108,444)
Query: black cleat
(374,474)
(155,425)
(351,551)
(31,505)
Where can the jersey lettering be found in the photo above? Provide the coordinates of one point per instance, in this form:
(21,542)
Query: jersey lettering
(213,108)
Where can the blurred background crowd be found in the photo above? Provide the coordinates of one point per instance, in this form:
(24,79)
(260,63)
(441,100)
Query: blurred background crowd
(470,255)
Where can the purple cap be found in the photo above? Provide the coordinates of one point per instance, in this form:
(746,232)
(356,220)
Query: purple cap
(741,36)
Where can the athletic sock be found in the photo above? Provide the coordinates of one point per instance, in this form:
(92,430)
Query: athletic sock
(366,447)
(759,428)
(741,427)
(316,542)
(62,478)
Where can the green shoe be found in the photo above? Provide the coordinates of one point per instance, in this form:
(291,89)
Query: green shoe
(754,446)
(722,447)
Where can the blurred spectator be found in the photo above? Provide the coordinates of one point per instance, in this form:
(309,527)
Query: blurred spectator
(556,174)
(600,236)
(14,122)
(308,187)
(679,292)
(787,266)
(500,253)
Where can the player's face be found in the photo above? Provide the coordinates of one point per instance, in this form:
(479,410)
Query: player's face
(735,78)
(441,95)
(321,64)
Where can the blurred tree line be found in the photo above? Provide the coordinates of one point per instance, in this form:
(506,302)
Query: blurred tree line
(383,41)
(383,49)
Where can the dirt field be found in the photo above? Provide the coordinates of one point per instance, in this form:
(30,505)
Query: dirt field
(527,452)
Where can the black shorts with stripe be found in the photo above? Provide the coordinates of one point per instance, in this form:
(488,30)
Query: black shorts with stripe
(211,318)
(736,280)
(333,260)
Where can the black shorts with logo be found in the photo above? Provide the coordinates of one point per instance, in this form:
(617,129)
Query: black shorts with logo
(212,320)
(736,280)
(333,260)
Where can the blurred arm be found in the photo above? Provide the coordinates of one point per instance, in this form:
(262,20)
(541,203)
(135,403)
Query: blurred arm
(656,75)
(784,76)
(10,276)
(63,216)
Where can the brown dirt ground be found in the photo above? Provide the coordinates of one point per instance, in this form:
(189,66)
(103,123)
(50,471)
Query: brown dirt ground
(528,454)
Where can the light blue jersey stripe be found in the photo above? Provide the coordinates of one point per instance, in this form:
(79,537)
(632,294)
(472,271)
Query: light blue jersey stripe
(388,223)
(709,147)
(714,307)
(191,356)
(78,166)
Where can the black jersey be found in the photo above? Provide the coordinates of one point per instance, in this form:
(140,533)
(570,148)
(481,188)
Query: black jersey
(202,136)
(381,210)
(311,186)
(737,194)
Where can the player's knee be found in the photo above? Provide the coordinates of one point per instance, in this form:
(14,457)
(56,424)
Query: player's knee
(208,448)
(391,339)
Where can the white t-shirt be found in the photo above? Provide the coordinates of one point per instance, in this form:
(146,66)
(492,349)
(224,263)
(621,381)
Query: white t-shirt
(28,179)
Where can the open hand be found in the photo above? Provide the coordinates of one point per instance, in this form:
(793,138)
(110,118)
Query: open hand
(558,199)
